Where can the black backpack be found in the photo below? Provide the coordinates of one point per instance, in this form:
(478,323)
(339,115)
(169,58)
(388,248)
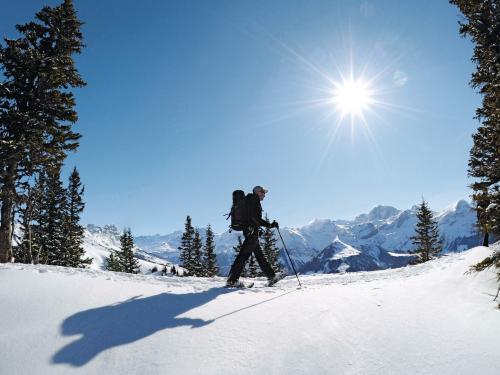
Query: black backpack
(238,214)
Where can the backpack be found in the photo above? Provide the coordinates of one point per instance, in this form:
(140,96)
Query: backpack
(238,214)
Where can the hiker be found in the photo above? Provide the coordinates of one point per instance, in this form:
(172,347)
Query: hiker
(251,243)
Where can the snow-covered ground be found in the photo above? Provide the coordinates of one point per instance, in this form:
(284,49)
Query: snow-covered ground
(425,319)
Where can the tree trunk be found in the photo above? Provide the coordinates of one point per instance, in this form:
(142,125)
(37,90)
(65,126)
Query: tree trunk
(30,250)
(8,194)
(486,239)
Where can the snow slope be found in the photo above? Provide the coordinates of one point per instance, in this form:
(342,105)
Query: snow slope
(425,319)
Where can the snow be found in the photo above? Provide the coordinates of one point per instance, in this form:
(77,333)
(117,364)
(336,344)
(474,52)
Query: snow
(402,254)
(346,251)
(425,319)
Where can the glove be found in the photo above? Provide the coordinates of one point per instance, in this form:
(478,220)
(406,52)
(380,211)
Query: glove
(275,224)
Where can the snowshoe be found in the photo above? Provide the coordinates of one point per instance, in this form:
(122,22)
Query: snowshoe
(279,275)
(239,284)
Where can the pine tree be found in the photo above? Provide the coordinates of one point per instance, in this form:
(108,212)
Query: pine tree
(197,266)
(481,24)
(36,103)
(426,239)
(269,248)
(54,207)
(126,255)
(113,262)
(482,201)
(25,252)
(73,230)
(39,223)
(252,270)
(186,248)
(209,257)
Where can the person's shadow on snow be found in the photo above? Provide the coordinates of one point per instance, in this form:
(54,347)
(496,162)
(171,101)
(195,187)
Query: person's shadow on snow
(106,327)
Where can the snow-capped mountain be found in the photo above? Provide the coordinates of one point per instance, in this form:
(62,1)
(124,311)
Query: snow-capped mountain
(382,238)
(100,241)
(378,239)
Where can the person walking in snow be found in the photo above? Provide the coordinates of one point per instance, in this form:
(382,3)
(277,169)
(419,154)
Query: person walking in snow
(251,242)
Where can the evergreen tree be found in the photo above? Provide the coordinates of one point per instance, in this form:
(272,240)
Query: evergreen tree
(482,202)
(481,24)
(426,238)
(74,231)
(186,248)
(24,251)
(39,223)
(173,270)
(269,248)
(36,103)
(210,259)
(197,266)
(127,260)
(252,270)
(54,207)
(113,262)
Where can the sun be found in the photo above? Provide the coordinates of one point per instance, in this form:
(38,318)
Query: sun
(352,97)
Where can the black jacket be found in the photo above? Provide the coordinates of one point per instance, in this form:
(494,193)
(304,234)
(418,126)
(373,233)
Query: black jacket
(254,212)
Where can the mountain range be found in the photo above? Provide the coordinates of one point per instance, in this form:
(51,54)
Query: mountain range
(379,239)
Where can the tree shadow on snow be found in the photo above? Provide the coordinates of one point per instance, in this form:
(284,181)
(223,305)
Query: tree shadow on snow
(106,327)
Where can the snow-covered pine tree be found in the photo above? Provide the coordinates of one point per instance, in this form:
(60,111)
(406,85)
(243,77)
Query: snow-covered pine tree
(209,256)
(37,107)
(186,248)
(426,239)
(197,266)
(73,234)
(126,255)
(269,248)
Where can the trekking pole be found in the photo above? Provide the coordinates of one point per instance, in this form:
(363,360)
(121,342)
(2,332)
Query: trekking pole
(290,259)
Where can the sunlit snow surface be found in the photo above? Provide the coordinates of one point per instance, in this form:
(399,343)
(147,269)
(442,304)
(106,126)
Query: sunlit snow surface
(425,319)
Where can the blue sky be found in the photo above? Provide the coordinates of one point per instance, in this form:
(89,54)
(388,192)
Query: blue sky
(188,100)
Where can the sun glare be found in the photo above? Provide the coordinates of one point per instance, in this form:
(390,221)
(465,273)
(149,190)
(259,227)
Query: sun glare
(352,97)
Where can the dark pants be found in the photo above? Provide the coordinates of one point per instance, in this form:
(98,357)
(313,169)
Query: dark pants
(250,245)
